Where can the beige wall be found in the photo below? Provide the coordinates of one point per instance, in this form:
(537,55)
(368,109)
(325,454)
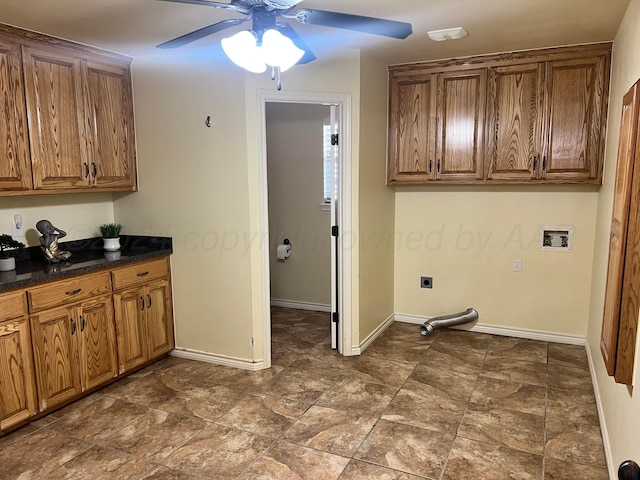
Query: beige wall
(193,187)
(79,215)
(376,201)
(620,404)
(295,174)
(466,238)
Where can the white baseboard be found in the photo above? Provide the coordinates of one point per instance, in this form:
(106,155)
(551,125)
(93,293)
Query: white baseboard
(603,424)
(358,349)
(504,331)
(217,359)
(317,307)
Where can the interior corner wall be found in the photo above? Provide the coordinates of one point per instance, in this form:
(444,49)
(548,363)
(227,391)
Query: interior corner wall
(376,201)
(295,176)
(620,404)
(193,187)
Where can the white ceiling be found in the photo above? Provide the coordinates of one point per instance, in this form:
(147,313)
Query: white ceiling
(134,27)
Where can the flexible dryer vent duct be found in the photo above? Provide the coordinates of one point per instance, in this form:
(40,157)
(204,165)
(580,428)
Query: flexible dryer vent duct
(444,321)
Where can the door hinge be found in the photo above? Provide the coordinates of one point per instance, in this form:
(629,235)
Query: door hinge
(334,139)
(336,317)
(334,231)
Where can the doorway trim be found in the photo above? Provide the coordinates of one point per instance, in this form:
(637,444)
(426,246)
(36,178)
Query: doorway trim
(345,249)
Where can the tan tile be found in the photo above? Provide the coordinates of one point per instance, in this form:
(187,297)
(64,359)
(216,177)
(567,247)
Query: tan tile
(445,355)
(575,442)
(518,348)
(519,371)
(285,461)
(493,392)
(300,385)
(357,470)
(99,463)
(35,455)
(560,470)
(218,452)
(382,370)
(99,419)
(427,411)
(358,396)
(472,460)
(437,380)
(331,430)
(264,414)
(518,430)
(156,435)
(414,450)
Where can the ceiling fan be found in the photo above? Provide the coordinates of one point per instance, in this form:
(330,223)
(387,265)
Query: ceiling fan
(264,16)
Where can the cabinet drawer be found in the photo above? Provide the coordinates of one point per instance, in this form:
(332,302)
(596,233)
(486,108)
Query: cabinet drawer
(67,291)
(141,273)
(13,305)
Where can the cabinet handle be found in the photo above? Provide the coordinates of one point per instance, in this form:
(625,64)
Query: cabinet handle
(74,292)
(149,301)
(143,274)
(142,303)
(86,170)
(95,169)
(82,324)
(73,326)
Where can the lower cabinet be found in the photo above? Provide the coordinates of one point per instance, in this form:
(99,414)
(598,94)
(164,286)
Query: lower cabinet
(17,383)
(74,349)
(143,314)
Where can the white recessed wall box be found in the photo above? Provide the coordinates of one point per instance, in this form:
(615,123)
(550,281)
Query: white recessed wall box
(447,34)
(556,238)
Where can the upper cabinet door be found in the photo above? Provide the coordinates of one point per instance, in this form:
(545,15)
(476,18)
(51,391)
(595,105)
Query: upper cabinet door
(412,111)
(574,97)
(109,123)
(56,118)
(460,125)
(15,167)
(514,111)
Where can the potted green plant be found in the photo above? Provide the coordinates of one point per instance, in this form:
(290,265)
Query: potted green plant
(111,236)
(7,262)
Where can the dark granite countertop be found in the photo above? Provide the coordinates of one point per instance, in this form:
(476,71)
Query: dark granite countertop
(87,256)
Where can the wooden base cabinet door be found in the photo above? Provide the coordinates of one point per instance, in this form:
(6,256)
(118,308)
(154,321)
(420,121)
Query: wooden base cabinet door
(56,356)
(159,318)
(130,328)
(17,382)
(98,362)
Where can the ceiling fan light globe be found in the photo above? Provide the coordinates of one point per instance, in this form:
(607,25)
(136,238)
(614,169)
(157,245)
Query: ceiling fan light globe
(279,50)
(242,50)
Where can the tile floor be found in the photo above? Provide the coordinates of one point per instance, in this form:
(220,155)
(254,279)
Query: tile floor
(456,406)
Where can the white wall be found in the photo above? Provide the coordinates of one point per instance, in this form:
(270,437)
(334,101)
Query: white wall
(620,404)
(295,175)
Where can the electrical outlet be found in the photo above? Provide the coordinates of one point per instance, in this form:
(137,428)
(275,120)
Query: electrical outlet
(426,282)
(517,265)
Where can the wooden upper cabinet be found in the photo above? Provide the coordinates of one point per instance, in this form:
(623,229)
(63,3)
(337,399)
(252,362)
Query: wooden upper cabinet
(527,117)
(575,92)
(460,125)
(56,118)
(15,166)
(109,124)
(514,112)
(412,108)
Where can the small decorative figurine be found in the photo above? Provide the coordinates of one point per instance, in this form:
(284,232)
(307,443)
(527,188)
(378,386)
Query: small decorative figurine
(49,242)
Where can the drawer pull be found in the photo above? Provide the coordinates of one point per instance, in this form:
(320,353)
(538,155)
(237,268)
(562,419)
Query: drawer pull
(74,292)
(143,274)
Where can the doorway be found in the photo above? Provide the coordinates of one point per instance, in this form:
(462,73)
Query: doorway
(340,206)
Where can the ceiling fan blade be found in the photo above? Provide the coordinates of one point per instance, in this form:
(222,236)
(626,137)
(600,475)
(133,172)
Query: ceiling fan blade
(201,33)
(376,26)
(288,31)
(207,3)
